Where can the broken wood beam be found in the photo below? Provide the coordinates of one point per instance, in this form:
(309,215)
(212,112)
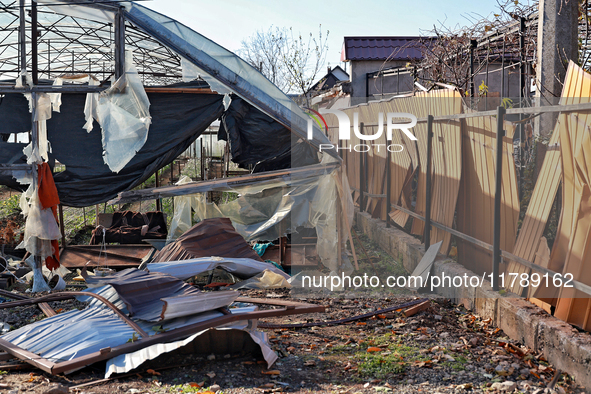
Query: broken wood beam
(416,309)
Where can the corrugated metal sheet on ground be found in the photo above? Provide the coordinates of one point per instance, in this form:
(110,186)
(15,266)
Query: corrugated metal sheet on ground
(477,193)
(210,237)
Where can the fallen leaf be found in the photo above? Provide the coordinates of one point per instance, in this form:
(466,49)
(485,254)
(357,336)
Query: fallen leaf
(272,372)
(195,384)
(152,372)
(361,324)
(211,375)
(373,349)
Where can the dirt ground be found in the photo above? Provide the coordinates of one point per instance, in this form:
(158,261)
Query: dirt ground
(444,349)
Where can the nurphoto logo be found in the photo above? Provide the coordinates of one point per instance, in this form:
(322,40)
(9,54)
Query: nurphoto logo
(345,130)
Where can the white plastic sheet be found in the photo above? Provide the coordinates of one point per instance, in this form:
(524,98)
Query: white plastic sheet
(123,113)
(90,112)
(40,229)
(267,211)
(183,218)
(191,71)
(93,14)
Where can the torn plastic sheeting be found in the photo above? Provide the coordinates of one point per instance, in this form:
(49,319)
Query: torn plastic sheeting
(264,280)
(75,11)
(90,106)
(265,212)
(183,217)
(127,362)
(123,113)
(258,140)
(40,229)
(270,210)
(191,72)
(242,268)
(178,119)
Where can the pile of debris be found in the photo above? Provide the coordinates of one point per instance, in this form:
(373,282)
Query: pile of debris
(135,315)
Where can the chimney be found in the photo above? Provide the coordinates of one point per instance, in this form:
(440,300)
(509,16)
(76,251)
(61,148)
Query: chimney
(328,70)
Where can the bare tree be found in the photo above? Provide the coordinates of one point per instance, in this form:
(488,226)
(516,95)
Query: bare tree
(290,61)
(303,60)
(263,51)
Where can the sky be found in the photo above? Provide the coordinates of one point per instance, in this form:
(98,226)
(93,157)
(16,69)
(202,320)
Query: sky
(228,22)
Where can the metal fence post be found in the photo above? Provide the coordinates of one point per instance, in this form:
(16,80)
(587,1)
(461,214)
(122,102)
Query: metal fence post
(427,232)
(498,191)
(361,175)
(388,186)
(473,45)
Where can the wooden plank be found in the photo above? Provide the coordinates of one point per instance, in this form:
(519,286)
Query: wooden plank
(417,308)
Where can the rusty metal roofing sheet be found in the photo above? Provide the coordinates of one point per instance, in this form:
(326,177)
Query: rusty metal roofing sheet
(210,237)
(78,256)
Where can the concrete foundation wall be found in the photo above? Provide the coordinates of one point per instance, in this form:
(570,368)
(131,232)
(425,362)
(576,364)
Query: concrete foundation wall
(561,344)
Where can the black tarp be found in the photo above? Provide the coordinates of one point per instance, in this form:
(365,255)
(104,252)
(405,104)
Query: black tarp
(258,140)
(177,120)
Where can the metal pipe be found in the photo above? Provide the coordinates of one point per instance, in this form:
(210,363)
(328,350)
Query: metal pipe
(158,201)
(388,186)
(361,176)
(498,192)
(22,34)
(34,51)
(503,70)
(119,44)
(427,232)
(62,226)
(471,82)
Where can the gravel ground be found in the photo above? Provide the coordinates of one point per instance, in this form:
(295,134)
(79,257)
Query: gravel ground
(444,349)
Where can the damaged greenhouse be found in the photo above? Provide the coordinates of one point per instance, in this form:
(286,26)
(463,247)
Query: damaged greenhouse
(96,98)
